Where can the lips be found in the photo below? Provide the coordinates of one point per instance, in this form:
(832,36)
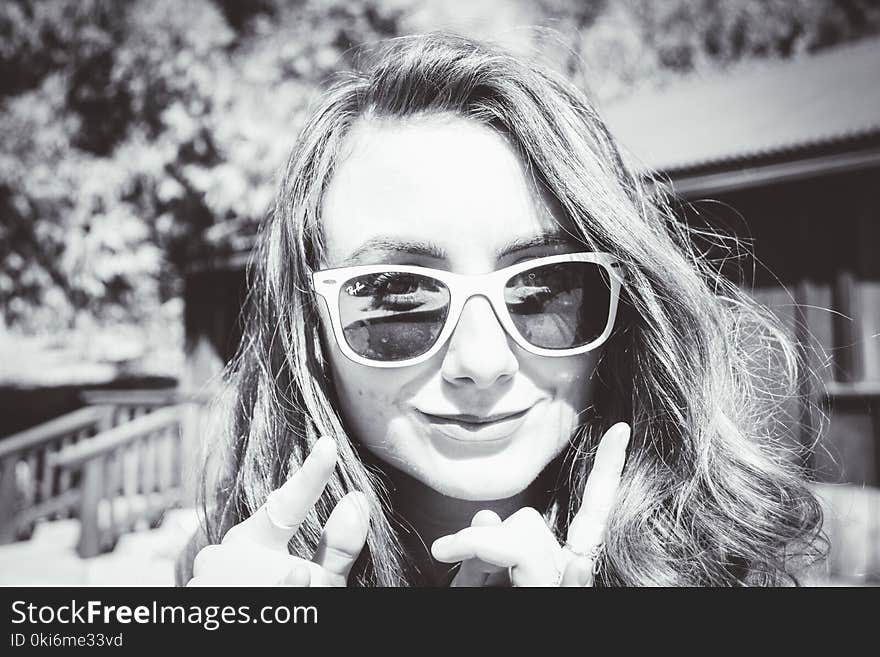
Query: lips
(465,418)
(476,429)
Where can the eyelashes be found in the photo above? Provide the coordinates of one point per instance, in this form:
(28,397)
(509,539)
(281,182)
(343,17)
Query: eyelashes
(385,296)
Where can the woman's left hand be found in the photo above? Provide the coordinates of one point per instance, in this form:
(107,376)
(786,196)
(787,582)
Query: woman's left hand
(524,548)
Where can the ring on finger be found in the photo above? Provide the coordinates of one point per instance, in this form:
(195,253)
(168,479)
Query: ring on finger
(592,554)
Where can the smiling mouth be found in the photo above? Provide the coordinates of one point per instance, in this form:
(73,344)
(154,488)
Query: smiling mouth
(473,420)
(474,429)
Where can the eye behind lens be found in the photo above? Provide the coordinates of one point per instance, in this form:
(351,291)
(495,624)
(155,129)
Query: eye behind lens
(394,316)
(561,305)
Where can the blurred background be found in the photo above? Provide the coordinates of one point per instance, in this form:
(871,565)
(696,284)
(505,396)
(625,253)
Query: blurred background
(139,147)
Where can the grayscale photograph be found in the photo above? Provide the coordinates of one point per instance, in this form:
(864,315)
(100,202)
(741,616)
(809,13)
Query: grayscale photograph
(196,196)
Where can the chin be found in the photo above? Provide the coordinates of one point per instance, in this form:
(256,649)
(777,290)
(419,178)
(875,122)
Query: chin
(481,481)
(481,493)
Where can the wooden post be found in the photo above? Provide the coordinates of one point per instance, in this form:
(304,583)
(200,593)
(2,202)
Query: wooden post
(141,473)
(177,458)
(847,351)
(10,499)
(64,475)
(149,455)
(30,492)
(47,472)
(92,491)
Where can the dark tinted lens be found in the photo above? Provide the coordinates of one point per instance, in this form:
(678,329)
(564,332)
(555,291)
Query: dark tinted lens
(393,315)
(560,306)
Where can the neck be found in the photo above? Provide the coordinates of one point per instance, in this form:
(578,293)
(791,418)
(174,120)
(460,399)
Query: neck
(424,514)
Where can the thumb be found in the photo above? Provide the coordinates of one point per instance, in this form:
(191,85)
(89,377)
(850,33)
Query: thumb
(343,538)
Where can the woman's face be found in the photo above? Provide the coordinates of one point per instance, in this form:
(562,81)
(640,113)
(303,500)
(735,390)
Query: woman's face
(462,188)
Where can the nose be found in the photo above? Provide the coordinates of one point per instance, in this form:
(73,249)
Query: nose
(479,352)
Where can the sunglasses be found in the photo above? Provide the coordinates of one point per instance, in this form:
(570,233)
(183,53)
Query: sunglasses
(398,315)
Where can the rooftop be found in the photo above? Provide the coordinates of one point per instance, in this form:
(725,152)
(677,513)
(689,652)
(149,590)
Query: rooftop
(747,114)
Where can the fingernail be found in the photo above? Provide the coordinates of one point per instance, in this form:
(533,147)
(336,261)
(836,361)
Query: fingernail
(360,500)
(485,517)
(622,433)
(442,544)
(325,444)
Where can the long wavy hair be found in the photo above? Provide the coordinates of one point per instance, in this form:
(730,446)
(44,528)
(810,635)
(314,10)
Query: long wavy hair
(712,492)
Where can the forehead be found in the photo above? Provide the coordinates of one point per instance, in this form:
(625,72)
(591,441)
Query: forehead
(443,181)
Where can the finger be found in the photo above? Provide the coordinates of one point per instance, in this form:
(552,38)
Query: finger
(485,518)
(523,543)
(587,528)
(475,572)
(542,559)
(343,538)
(529,520)
(492,544)
(242,563)
(292,502)
(579,572)
(205,558)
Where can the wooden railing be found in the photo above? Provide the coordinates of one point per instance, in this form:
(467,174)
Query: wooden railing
(130,404)
(129,475)
(30,486)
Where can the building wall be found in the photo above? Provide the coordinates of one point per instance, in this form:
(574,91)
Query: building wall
(815,244)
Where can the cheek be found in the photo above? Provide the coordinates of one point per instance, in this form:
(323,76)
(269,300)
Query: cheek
(367,395)
(367,405)
(567,379)
(369,398)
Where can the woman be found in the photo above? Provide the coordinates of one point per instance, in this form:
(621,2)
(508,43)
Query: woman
(468,314)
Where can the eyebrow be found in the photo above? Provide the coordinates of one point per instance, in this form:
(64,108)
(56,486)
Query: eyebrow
(384,246)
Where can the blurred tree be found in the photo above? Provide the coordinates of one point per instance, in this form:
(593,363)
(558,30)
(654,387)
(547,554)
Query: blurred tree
(627,43)
(137,136)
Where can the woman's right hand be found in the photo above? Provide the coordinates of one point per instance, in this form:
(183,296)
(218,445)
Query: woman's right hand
(254,552)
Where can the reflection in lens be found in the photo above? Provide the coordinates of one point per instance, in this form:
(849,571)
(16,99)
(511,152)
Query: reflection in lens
(560,306)
(392,316)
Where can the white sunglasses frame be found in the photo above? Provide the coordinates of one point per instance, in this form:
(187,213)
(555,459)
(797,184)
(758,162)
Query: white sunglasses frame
(328,282)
